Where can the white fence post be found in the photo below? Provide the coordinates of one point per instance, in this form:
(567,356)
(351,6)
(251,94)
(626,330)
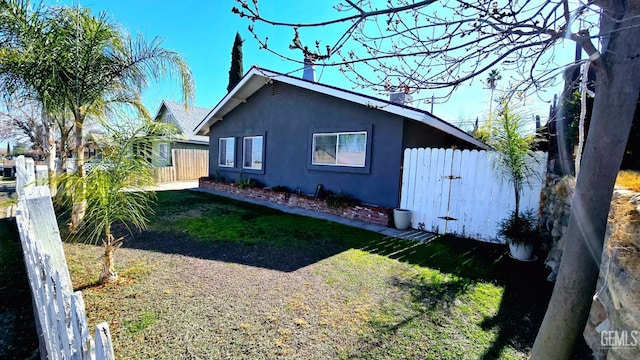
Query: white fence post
(104,345)
(60,313)
(460,192)
(42,174)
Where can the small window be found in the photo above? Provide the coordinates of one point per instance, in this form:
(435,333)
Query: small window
(252,153)
(340,149)
(163,152)
(227,152)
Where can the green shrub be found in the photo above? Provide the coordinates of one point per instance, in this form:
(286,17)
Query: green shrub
(336,201)
(281,189)
(520,229)
(249,183)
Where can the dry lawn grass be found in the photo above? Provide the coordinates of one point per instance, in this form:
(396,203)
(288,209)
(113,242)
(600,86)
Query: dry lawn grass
(298,288)
(629,179)
(188,307)
(625,232)
(217,279)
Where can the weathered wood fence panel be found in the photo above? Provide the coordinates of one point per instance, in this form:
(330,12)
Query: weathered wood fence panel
(59,312)
(164,174)
(188,164)
(461,192)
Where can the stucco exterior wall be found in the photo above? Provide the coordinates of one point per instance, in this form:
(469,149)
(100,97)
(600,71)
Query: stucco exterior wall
(288,116)
(416,135)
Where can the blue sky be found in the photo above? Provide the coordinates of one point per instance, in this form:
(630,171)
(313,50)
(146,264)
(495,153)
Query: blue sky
(203,32)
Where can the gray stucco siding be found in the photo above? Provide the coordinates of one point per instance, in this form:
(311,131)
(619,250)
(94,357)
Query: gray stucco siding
(288,121)
(417,134)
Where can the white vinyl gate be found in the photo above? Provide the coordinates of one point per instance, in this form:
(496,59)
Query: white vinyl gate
(460,191)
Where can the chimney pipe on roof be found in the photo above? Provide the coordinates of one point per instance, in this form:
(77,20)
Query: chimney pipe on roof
(309,72)
(400,98)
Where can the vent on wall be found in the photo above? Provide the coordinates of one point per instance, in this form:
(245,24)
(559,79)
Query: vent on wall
(275,88)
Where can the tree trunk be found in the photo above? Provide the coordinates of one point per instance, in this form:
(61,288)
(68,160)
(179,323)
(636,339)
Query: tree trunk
(51,139)
(617,89)
(583,113)
(517,188)
(64,136)
(490,108)
(109,275)
(79,202)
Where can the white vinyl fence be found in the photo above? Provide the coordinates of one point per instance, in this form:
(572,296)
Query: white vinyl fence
(60,315)
(461,192)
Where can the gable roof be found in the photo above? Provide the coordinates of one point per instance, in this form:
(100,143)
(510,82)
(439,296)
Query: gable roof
(256,78)
(186,120)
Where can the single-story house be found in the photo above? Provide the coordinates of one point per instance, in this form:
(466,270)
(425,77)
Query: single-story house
(185,120)
(282,130)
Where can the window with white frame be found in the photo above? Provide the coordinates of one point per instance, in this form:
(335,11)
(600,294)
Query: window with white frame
(227,152)
(163,152)
(252,152)
(340,149)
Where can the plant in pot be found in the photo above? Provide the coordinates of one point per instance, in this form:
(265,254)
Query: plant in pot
(521,233)
(516,161)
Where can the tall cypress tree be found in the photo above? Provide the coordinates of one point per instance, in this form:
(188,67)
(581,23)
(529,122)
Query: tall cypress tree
(236,72)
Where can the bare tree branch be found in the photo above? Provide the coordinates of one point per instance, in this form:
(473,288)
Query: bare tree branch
(436,45)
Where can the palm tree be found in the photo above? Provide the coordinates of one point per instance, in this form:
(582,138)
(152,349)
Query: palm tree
(28,62)
(116,188)
(492,80)
(514,151)
(105,69)
(90,67)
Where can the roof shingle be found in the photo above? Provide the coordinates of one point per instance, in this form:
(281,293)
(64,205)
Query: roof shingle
(186,119)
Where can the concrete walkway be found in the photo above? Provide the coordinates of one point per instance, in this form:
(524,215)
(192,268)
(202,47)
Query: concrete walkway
(176,185)
(410,234)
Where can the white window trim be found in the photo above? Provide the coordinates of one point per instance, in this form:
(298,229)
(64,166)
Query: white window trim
(244,152)
(233,163)
(164,155)
(337,134)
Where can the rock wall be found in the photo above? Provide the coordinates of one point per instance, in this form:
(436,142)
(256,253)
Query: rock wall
(555,207)
(613,329)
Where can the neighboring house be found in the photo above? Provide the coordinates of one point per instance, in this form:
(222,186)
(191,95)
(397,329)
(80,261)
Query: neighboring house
(282,130)
(185,120)
(94,145)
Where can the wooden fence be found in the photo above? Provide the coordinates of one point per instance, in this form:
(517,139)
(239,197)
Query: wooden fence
(60,314)
(460,191)
(188,164)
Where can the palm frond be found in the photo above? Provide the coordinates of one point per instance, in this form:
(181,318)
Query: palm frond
(116,188)
(514,158)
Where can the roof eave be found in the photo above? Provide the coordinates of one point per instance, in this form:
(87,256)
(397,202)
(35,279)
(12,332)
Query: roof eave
(238,95)
(255,78)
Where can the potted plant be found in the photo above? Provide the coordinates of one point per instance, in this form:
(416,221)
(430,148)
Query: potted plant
(402,218)
(521,233)
(515,160)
